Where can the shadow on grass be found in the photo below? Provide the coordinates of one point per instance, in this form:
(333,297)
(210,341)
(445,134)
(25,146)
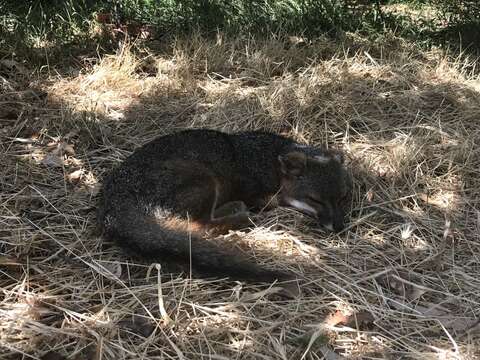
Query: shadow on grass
(409,134)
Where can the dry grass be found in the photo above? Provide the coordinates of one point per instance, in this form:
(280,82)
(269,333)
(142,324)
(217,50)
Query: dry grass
(407,267)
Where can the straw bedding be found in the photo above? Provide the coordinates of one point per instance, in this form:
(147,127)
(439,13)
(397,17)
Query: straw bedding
(400,283)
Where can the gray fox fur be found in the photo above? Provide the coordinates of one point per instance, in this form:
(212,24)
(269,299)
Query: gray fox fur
(167,195)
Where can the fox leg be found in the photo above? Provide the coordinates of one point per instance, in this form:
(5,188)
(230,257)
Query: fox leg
(232,215)
(229,222)
(197,195)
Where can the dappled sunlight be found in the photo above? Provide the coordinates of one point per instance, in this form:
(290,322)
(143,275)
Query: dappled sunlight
(387,158)
(446,200)
(58,155)
(18,316)
(108,88)
(28,315)
(474,85)
(282,243)
(404,268)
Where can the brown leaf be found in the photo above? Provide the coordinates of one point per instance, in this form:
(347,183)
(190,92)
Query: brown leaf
(352,320)
(52,160)
(369,195)
(319,338)
(401,285)
(91,190)
(336,318)
(75,176)
(296,40)
(361,318)
(452,322)
(67,148)
(448,320)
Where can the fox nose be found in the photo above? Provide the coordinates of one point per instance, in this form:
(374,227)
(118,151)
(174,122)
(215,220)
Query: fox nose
(335,227)
(338,223)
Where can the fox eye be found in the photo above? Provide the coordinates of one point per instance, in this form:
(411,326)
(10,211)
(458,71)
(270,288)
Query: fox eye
(316,200)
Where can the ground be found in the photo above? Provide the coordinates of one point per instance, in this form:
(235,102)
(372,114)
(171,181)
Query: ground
(401,282)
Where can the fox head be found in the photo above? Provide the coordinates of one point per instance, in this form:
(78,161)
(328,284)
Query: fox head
(315,183)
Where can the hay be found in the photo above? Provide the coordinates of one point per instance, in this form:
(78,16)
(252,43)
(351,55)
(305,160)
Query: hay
(401,282)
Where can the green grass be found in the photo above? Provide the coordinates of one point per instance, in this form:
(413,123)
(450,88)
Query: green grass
(40,24)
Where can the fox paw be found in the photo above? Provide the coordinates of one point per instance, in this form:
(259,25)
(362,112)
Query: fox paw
(241,220)
(230,208)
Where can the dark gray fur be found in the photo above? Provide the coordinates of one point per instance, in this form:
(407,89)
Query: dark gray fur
(172,176)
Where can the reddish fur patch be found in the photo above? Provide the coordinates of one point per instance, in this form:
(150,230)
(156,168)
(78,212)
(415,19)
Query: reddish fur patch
(182,225)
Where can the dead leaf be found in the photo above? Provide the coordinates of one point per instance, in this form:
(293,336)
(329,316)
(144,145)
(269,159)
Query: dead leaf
(369,195)
(67,148)
(448,320)
(352,320)
(61,148)
(296,40)
(336,318)
(401,285)
(452,322)
(75,176)
(104,18)
(319,339)
(91,190)
(359,319)
(52,160)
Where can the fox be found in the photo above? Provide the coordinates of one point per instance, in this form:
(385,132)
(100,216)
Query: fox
(166,198)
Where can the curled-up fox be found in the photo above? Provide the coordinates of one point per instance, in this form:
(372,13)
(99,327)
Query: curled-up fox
(167,195)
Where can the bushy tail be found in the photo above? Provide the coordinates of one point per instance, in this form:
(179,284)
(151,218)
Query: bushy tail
(167,238)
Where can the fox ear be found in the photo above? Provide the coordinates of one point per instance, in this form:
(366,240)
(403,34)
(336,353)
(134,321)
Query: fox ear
(293,163)
(336,155)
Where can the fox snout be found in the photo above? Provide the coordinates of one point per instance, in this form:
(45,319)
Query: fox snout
(335,224)
(338,220)
(329,217)
(338,224)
